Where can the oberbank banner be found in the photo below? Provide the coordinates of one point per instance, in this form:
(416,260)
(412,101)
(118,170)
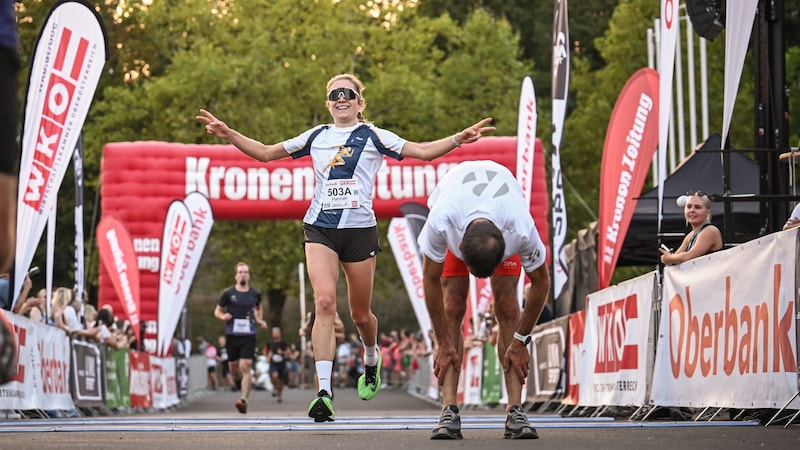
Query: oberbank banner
(727,336)
(151,175)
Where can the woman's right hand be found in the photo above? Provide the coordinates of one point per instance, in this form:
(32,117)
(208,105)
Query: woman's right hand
(213,125)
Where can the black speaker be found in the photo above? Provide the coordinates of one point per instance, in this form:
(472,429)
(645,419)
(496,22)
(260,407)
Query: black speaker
(705,17)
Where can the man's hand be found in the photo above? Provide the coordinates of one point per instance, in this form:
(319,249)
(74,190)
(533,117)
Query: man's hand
(444,356)
(518,359)
(261,323)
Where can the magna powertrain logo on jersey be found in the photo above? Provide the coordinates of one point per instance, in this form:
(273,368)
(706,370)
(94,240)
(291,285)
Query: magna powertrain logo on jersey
(53,119)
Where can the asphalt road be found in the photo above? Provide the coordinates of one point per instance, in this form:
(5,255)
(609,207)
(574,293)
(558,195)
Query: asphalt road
(393,419)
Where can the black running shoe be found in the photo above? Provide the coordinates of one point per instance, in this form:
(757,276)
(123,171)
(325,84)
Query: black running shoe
(449,424)
(241,405)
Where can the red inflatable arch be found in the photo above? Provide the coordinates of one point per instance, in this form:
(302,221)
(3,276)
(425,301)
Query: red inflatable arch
(140,179)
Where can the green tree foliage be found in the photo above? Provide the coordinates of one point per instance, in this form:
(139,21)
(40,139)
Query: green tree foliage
(262,67)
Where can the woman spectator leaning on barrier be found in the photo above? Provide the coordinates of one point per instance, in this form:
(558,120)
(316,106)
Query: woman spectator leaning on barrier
(704,238)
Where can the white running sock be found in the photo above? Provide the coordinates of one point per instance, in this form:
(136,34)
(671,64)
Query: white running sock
(324,371)
(371,355)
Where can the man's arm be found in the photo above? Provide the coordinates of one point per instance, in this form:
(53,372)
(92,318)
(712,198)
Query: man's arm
(432,285)
(260,316)
(534,302)
(219,313)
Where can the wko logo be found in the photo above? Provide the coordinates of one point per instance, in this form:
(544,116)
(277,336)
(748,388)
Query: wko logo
(613,319)
(59,94)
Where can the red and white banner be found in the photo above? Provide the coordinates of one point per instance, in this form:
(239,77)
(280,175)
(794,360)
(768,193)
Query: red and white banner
(177,226)
(631,140)
(668,32)
(614,363)
(560,88)
(471,376)
(67,65)
(179,260)
(116,251)
(727,336)
(41,380)
(164,383)
(739,18)
(576,329)
(141,383)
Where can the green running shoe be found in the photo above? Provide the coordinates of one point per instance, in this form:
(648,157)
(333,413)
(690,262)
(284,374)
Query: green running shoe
(370,381)
(321,408)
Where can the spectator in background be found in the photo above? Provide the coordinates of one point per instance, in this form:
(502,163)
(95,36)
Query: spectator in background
(33,307)
(224,368)
(114,339)
(89,316)
(261,380)
(278,350)
(210,352)
(6,296)
(309,368)
(704,238)
(65,315)
(293,365)
(794,219)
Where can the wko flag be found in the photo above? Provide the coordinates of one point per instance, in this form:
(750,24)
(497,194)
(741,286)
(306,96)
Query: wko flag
(67,63)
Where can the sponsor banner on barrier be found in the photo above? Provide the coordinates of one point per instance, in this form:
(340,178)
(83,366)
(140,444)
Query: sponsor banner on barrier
(41,380)
(727,335)
(574,350)
(614,360)
(50,378)
(140,381)
(165,387)
(470,379)
(547,378)
(117,382)
(88,374)
(182,377)
(492,382)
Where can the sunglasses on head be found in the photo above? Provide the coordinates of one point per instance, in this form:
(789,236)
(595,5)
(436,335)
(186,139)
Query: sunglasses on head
(343,92)
(697,193)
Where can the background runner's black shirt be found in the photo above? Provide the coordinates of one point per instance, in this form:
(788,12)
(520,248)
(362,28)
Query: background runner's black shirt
(241,305)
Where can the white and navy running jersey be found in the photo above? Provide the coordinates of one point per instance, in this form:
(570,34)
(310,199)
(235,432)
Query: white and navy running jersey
(480,190)
(346,161)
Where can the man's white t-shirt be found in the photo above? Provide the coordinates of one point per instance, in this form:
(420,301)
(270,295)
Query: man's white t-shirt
(480,190)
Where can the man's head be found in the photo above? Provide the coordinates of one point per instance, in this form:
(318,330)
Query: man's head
(482,247)
(242,274)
